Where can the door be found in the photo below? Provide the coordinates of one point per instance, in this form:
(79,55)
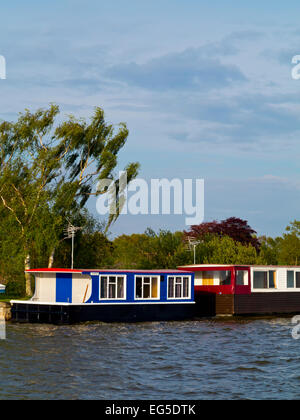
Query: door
(64,287)
(242,281)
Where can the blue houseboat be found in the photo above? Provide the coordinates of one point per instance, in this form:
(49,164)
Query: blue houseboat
(72,296)
(2,288)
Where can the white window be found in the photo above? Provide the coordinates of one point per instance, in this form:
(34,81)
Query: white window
(179,287)
(264,279)
(147,287)
(112,287)
(293,280)
(215,278)
(242,278)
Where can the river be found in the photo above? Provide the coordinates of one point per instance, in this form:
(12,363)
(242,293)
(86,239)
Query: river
(206,359)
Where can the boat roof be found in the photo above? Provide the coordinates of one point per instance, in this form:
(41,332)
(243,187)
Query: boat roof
(235,265)
(104,270)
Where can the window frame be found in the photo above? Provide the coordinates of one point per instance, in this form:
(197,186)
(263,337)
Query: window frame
(295,272)
(215,276)
(123,276)
(151,276)
(245,271)
(189,277)
(268,280)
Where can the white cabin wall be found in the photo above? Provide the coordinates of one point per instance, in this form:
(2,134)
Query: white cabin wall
(281,275)
(281,279)
(80,284)
(45,289)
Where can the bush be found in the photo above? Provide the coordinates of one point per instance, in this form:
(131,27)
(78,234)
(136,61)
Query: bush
(15,288)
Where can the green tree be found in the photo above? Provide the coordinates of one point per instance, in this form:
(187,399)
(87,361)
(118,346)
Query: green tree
(151,250)
(48,173)
(289,245)
(92,248)
(224,250)
(269,250)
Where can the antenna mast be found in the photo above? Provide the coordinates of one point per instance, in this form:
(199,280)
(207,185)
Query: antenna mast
(70,232)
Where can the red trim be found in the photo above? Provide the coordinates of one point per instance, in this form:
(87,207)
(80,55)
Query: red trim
(216,290)
(107,270)
(53,270)
(242,290)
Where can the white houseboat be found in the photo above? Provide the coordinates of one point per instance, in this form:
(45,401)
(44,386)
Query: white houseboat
(72,296)
(246,290)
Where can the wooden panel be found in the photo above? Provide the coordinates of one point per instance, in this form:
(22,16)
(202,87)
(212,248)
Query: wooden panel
(224,304)
(211,304)
(267,303)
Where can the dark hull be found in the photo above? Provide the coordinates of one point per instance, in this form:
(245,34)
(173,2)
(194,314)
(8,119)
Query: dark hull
(267,303)
(64,314)
(209,304)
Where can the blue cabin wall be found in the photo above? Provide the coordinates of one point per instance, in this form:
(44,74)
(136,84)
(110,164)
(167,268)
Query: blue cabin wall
(130,289)
(64,287)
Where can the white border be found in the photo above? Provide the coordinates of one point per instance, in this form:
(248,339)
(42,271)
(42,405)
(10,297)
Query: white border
(190,287)
(158,287)
(264,289)
(124,276)
(144,302)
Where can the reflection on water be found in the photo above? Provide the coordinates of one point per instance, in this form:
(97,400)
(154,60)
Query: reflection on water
(204,359)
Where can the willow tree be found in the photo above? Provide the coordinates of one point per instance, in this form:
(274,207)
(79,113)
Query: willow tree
(49,171)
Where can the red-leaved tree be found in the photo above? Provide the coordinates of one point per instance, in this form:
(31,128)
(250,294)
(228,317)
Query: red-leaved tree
(235,228)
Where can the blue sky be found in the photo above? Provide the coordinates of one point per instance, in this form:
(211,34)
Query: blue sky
(205,88)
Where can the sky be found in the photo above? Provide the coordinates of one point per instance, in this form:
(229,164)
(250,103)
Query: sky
(205,88)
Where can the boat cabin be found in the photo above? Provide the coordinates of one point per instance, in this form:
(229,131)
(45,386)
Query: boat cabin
(244,289)
(110,295)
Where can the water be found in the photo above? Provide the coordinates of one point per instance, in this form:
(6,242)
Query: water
(229,359)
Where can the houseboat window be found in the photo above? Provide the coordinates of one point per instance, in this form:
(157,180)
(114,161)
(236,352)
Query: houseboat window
(264,279)
(112,287)
(146,287)
(260,280)
(215,278)
(298,280)
(290,281)
(178,287)
(272,279)
(225,278)
(207,278)
(242,278)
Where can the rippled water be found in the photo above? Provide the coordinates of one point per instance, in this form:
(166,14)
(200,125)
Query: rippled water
(175,360)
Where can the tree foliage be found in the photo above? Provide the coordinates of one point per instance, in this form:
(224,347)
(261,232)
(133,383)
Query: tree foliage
(48,172)
(235,228)
(151,250)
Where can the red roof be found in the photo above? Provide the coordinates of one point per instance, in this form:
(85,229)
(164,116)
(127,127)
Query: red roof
(106,270)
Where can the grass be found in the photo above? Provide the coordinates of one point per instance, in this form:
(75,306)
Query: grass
(7,298)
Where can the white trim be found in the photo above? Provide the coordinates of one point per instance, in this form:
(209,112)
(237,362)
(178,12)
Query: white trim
(294,288)
(113,303)
(123,276)
(265,270)
(189,287)
(151,277)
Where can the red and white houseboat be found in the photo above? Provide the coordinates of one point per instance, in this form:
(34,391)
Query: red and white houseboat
(246,290)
